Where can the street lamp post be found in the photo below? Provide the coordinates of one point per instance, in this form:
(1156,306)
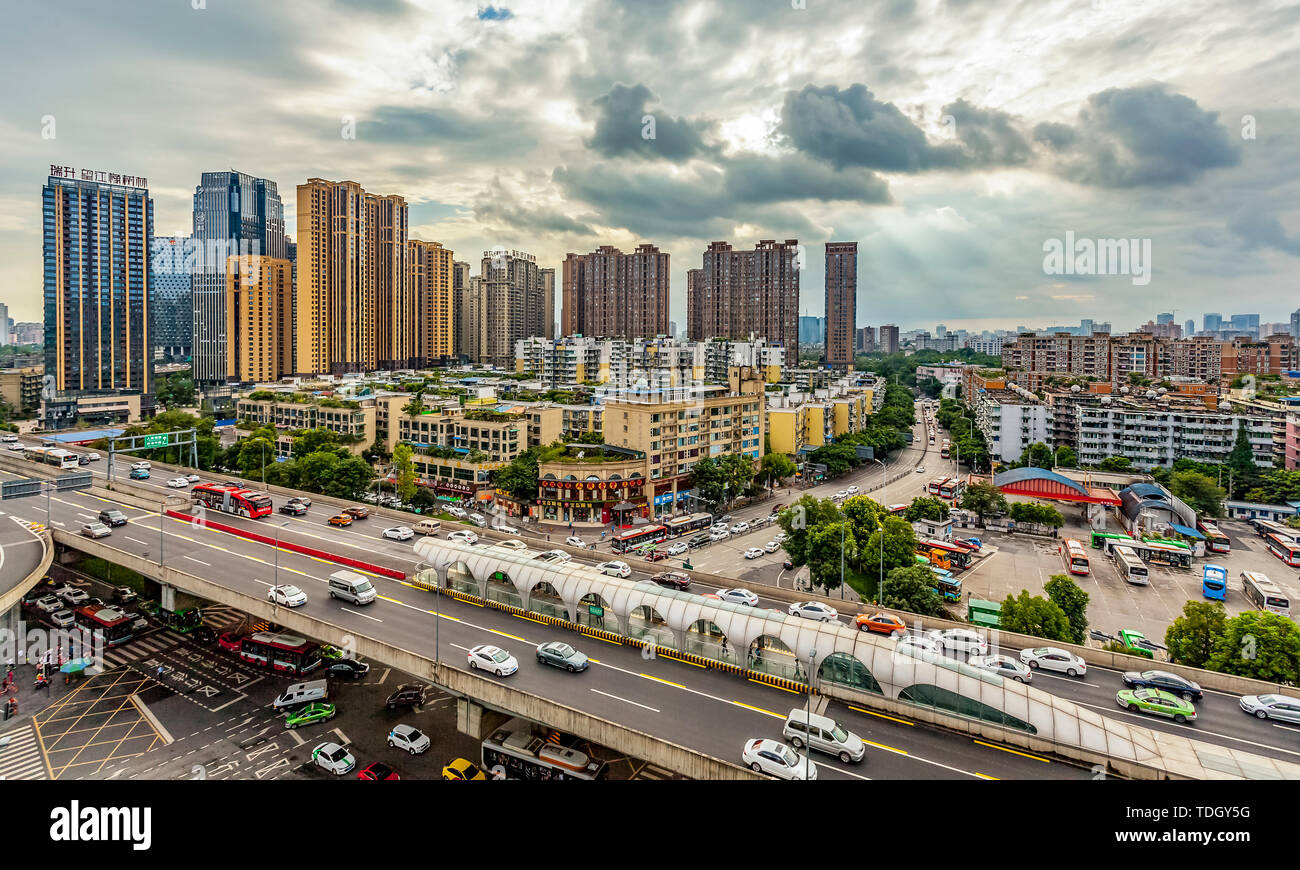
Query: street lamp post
(880,586)
(807,750)
(277,552)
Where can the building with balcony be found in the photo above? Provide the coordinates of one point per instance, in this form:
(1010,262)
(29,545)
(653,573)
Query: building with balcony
(1010,420)
(1155,430)
(21,388)
(353,421)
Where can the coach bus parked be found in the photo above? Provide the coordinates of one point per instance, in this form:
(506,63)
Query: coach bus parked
(1264,594)
(1214,582)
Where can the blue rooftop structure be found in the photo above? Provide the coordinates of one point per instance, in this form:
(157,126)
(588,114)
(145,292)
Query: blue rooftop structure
(82,437)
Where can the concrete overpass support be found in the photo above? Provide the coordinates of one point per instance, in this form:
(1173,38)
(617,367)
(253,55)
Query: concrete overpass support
(475,720)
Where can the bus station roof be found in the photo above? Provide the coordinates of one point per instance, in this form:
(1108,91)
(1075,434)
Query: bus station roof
(84,436)
(1047,484)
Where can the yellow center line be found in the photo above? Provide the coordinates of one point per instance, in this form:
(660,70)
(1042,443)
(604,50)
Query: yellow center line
(886,748)
(985,776)
(881,715)
(758,709)
(1013,751)
(664,655)
(665,682)
(774,686)
(529,618)
(393,600)
(511,636)
(593,661)
(594,637)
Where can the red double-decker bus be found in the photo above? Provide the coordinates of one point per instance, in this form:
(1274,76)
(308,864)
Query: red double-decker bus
(282,652)
(232,499)
(100,620)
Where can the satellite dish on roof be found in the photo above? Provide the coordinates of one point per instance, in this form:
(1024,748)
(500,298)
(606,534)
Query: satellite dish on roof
(1151,394)
(1124,390)
(1163,390)
(1225,406)
(1105,400)
(1075,388)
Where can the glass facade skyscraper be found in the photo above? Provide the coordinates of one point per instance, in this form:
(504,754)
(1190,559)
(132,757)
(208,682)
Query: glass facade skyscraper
(96,272)
(171,297)
(234,213)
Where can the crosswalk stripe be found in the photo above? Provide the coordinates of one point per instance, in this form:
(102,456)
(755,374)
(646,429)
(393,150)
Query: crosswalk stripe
(21,757)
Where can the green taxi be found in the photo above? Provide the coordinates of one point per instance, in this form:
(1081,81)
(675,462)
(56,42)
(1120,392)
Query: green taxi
(1157,703)
(317,711)
(1135,643)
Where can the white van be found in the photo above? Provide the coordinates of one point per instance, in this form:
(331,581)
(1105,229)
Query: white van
(351,586)
(824,735)
(478,520)
(428,527)
(505,529)
(302,693)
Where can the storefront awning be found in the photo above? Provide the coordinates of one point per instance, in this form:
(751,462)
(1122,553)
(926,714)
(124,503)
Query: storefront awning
(1185,530)
(624,506)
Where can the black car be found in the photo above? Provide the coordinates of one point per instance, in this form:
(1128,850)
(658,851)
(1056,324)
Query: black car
(203,636)
(83,459)
(1172,683)
(698,541)
(113,518)
(349,669)
(672,580)
(788,565)
(407,695)
(293,508)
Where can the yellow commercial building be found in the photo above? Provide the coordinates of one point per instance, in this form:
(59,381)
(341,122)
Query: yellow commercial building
(259,318)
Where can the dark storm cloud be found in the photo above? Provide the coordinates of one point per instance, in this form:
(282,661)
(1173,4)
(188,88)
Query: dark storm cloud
(621,130)
(1263,229)
(1140,136)
(989,137)
(756,179)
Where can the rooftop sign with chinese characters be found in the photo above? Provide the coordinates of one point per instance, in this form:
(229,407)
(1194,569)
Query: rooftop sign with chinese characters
(138,181)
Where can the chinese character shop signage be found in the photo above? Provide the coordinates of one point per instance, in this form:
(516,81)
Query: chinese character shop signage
(98,175)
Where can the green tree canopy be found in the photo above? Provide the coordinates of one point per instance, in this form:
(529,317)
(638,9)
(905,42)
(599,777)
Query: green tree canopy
(1037,514)
(1199,491)
(1066,457)
(1073,601)
(404,468)
(1259,644)
(775,468)
(926,508)
(1241,461)
(899,541)
(1191,638)
(1038,454)
(983,499)
(807,513)
(912,589)
(826,551)
(1035,615)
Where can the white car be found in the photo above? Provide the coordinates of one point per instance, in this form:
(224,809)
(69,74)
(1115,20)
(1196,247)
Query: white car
(72,597)
(779,537)
(398,533)
(771,547)
(289,596)
(1005,666)
(913,643)
(677,549)
(189,478)
(775,758)
(8,437)
(719,535)
(960,640)
(409,738)
(143,464)
(739,596)
(739,528)
(1049,658)
(463,535)
(843,493)
(178,483)
(575,542)
(478,520)
(1278,707)
(512,544)
(753,552)
(333,758)
(554,556)
(62,619)
(458,513)
(615,569)
(814,610)
(16,445)
(493,659)
(920,469)
(853,490)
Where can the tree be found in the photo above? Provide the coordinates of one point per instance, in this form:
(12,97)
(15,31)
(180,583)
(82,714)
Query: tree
(865,515)
(707,479)
(415,407)
(351,478)
(424,499)
(983,499)
(1073,602)
(926,508)
(1278,486)
(775,468)
(1037,514)
(1115,463)
(1191,637)
(519,478)
(307,441)
(591,438)
(404,469)
(1259,644)
(1066,457)
(1241,462)
(826,551)
(809,512)
(912,589)
(737,471)
(899,548)
(1199,491)
(838,458)
(1035,615)
(1038,454)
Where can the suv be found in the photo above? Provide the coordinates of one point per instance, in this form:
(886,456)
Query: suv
(112,518)
(407,695)
(673,580)
(699,540)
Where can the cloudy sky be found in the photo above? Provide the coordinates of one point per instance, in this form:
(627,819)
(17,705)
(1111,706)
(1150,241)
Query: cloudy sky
(950,138)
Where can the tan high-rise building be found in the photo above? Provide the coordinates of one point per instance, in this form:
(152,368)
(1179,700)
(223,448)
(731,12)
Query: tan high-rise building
(548,293)
(610,294)
(738,294)
(841,302)
(512,299)
(430,280)
(355,308)
(469,320)
(259,318)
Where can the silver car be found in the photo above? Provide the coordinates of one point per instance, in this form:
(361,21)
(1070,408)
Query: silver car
(1005,666)
(1278,707)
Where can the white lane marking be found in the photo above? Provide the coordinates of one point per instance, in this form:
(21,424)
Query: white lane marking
(200,561)
(626,701)
(1193,730)
(137,540)
(363,615)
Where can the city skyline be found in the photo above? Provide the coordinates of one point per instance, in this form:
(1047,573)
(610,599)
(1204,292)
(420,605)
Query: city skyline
(950,173)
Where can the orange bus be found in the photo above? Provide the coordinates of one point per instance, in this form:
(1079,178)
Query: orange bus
(1076,558)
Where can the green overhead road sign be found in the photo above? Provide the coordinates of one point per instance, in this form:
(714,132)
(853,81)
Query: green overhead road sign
(149,441)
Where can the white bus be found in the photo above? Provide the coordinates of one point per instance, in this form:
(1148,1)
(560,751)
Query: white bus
(1264,593)
(55,456)
(1130,567)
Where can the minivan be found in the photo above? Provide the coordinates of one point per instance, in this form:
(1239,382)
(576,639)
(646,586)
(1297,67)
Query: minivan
(478,520)
(302,693)
(428,527)
(351,586)
(823,734)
